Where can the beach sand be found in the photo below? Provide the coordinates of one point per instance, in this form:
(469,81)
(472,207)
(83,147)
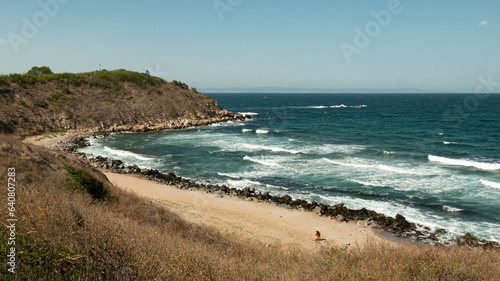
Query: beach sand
(49,140)
(248,220)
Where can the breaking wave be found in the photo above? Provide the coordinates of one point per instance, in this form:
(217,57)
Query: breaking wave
(490,184)
(464,163)
(260,161)
(122,153)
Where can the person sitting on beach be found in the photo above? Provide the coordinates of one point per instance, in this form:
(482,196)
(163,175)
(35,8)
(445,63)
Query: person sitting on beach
(318,236)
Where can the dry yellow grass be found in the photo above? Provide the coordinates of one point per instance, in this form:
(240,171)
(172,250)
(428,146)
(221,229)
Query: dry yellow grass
(64,234)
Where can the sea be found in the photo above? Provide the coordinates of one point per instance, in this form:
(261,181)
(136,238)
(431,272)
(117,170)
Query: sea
(433,158)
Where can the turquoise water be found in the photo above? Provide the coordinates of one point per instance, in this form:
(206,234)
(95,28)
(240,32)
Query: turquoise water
(433,158)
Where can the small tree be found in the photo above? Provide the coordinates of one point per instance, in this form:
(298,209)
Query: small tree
(35,70)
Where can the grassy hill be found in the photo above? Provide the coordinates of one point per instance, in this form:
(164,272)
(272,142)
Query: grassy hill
(99,101)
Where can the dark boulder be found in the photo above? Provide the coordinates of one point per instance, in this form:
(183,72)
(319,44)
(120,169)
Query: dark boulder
(400,218)
(285,200)
(440,231)
(134,169)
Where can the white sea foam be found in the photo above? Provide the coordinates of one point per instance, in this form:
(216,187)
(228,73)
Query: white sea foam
(399,170)
(449,142)
(243,183)
(466,163)
(333,148)
(92,141)
(248,113)
(259,131)
(270,186)
(336,106)
(246,130)
(122,153)
(339,106)
(490,184)
(260,161)
(451,209)
(346,164)
(229,175)
(270,148)
(367,166)
(227,124)
(368,183)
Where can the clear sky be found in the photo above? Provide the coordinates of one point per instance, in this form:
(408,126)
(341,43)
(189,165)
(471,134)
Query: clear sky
(433,45)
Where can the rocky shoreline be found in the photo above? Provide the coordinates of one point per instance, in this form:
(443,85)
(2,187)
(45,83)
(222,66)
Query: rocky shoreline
(160,124)
(78,138)
(397,226)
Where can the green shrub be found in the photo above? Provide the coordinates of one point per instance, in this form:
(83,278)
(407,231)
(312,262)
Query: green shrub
(22,80)
(4,80)
(42,103)
(54,97)
(84,182)
(180,84)
(21,102)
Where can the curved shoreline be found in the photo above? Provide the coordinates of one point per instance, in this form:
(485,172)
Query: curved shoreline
(397,228)
(247,220)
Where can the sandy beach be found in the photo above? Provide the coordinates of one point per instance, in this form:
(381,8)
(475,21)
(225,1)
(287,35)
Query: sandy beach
(247,220)
(49,141)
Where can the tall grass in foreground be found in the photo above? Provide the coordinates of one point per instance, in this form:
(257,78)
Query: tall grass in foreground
(65,234)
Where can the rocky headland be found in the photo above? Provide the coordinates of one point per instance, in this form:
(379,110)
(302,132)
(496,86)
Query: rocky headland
(102,102)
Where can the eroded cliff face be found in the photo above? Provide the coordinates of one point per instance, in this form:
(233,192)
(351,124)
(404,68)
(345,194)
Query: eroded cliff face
(54,106)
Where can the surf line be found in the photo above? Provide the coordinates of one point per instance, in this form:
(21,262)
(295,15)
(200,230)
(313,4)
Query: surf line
(464,163)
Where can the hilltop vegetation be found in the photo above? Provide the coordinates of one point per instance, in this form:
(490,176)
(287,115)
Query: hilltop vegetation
(100,101)
(101,79)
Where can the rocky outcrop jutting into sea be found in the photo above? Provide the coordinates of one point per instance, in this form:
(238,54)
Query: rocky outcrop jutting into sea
(101,102)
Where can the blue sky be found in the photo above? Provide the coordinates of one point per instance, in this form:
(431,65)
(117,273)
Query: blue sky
(442,46)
